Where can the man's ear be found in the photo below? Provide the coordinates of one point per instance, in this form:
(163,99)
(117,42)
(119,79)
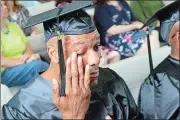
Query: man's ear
(53,54)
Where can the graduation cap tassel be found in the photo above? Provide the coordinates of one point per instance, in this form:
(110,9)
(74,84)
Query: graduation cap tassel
(60,37)
(62,66)
(149,50)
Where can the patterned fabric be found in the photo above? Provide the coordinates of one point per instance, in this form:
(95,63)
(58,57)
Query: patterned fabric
(126,43)
(21,19)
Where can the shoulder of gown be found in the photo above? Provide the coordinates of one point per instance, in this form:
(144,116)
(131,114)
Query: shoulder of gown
(159,93)
(33,101)
(117,96)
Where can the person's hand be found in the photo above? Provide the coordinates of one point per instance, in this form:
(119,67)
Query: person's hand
(145,28)
(137,24)
(33,57)
(25,58)
(76,102)
(104,51)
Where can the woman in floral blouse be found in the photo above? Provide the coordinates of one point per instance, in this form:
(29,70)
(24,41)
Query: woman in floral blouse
(119,28)
(20,15)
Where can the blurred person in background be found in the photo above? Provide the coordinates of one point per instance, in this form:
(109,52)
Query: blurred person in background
(18,62)
(119,29)
(144,9)
(20,15)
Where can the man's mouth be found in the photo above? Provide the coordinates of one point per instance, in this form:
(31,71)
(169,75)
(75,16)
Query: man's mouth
(94,75)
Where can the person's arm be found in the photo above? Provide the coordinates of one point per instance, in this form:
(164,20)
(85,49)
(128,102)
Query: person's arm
(28,50)
(125,28)
(104,19)
(10,62)
(28,53)
(34,31)
(118,29)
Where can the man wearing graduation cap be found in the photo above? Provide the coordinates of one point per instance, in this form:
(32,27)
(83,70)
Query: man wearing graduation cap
(159,96)
(72,39)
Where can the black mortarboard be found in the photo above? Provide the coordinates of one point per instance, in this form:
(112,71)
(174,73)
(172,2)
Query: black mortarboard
(167,16)
(70,19)
(73,20)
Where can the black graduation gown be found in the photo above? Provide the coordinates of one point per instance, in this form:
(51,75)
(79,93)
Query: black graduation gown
(159,93)
(111,97)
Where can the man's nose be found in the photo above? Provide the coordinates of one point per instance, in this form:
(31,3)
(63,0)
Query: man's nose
(93,58)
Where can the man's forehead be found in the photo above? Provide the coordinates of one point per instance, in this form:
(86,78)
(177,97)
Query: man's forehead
(77,39)
(83,38)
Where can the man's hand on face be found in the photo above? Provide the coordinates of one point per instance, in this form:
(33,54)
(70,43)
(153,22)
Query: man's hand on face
(76,102)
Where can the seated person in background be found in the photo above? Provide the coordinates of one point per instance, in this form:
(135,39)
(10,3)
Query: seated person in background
(110,95)
(119,29)
(144,9)
(159,93)
(18,62)
(20,15)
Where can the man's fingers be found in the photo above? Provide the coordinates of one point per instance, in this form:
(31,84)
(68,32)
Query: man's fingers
(81,72)
(55,91)
(87,78)
(68,76)
(74,72)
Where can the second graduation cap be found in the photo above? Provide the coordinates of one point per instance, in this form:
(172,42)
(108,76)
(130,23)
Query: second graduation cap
(168,15)
(70,19)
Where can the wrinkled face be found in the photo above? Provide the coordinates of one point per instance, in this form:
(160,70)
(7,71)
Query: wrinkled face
(4,10)
(86,46)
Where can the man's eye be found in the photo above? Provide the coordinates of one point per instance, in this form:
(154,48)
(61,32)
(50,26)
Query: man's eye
(96,47)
